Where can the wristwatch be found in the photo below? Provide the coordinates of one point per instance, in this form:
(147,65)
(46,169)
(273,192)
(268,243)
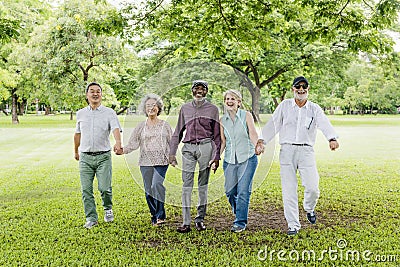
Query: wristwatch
(332,139)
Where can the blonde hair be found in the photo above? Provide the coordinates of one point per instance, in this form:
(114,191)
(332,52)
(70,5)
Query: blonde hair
(235,93)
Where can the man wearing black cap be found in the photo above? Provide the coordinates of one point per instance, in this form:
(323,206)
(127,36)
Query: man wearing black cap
(296,120)
(202,145)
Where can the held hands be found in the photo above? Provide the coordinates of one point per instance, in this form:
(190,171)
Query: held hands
(172,160)
(333,145)
(118,149)
(214,164)
(259,147)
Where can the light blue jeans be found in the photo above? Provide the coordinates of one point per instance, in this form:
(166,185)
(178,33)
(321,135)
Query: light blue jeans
(238,184)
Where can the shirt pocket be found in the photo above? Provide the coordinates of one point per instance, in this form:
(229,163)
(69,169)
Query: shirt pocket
(309,123)
(84,125)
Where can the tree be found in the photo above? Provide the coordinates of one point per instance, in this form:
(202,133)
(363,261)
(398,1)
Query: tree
(78,44)
(25,14)
(266,40)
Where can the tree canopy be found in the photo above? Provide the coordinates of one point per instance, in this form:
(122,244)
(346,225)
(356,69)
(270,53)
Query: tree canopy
(268,41)
(49,52)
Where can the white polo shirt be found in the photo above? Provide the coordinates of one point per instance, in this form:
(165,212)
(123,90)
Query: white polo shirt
(297,125)
(95,127)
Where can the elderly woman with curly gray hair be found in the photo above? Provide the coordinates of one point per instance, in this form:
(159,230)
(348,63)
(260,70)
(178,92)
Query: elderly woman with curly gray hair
(152,136)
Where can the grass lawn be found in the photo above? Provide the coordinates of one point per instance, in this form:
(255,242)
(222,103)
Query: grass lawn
(41,213)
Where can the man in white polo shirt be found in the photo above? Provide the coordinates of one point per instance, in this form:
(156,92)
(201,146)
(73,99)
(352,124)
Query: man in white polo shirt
(296,120)
(94,124)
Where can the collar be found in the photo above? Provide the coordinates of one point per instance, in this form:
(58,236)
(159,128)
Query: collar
(295,105)
(227,116)
(98,108)
(202,104)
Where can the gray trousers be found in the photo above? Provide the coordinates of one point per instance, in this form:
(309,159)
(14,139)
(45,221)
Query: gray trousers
(191,155)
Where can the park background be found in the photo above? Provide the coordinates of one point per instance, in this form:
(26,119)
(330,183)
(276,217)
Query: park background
(51,49)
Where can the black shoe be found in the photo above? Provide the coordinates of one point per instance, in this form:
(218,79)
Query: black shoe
(292,231)
(183,228)
(312,217)
(200,226)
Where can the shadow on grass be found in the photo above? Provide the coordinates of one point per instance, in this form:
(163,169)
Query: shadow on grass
(270,218)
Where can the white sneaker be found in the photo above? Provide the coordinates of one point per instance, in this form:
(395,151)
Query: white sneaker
(90,224)
(108,216)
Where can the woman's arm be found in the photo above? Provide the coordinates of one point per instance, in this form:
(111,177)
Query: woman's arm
(252,128)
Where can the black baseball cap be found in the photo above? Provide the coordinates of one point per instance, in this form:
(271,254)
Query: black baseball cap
(299,79)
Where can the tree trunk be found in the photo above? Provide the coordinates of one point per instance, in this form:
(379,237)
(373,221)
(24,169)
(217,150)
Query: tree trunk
(14,108)
(71,117)
(254,91)
(255,104)
(21,107)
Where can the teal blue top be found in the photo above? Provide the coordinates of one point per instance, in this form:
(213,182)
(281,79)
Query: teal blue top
(238,144)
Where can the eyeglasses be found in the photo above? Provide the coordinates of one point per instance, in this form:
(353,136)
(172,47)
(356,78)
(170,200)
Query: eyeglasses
(298,86)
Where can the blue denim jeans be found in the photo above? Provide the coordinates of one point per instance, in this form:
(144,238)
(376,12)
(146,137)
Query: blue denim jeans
(153,179)
(238,183)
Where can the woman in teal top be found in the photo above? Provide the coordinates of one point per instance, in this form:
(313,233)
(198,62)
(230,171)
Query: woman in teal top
(238,139)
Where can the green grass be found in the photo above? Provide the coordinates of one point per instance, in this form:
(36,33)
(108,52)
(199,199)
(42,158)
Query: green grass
(42,216)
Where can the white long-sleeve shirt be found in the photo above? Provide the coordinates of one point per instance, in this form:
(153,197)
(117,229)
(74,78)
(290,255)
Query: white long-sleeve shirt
(297,125)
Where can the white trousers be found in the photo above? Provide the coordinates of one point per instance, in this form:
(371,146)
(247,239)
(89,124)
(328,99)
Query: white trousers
(293,158)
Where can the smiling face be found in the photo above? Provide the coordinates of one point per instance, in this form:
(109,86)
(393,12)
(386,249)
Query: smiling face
(151,108)
(232,102)
(300,91)
(199,92)
(94,95)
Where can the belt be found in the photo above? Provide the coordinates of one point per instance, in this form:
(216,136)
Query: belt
(96,153)
(205,141)
(300,144)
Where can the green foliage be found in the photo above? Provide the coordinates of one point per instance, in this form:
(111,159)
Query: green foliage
(8,29)
(270,42)
(78,45)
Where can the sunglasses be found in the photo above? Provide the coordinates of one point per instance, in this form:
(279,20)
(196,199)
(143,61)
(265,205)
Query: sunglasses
(298,86)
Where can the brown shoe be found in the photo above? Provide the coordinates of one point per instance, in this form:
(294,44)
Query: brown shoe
(159,222)
(183,228)
(200,226)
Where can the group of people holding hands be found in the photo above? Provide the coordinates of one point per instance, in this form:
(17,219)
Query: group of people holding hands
(205,137)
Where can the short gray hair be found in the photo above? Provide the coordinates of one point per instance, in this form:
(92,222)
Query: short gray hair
(158,100)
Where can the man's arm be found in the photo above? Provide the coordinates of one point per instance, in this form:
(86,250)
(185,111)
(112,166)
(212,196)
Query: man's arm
(327,129)
(216,154)
(176,138)
(77,143)
(223,139)
(117,137)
